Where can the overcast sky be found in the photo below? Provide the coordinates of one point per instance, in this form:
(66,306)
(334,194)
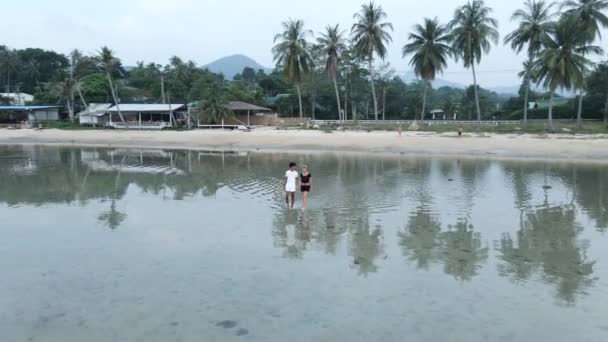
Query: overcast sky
(204,30)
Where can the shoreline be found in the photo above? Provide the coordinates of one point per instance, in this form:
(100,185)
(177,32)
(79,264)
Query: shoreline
(558,147)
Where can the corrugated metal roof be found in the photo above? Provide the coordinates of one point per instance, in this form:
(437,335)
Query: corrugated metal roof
(26,107)
(96,109)
(239,105)
(141,107)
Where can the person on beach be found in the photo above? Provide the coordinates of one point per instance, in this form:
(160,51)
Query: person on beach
(305,185)
(291,180)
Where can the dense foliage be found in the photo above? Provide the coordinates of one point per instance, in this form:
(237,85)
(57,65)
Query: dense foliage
(332,77)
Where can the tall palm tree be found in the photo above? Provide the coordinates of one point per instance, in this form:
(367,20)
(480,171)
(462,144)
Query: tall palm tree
(332,44)
(370,35)
(110,64)
(473,31)
(563,62)
(535,25)
(429,49)
(291,53)
(590,18)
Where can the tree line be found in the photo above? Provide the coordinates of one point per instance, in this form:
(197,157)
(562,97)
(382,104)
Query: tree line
(558,45)
(339,77)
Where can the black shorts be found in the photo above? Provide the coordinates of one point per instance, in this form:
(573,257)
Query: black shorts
(305,188)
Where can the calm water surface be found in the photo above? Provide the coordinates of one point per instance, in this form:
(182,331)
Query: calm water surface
(154,245)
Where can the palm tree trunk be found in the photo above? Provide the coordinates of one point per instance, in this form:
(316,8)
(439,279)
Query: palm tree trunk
(115,99)
(345,116)
(476,96)
(371,81)
(551,110)
(338,98)
(579,113)
(84,103)
(426,86)
(527,91)
(526,97)
(299,100)
(384,103)
(162,88)
(72,96)
(71,108)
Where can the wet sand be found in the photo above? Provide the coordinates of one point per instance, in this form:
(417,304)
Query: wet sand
(588,148)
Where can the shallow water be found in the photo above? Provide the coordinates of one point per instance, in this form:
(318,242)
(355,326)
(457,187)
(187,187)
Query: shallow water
(154,245)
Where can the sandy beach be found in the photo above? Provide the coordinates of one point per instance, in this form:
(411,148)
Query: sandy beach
(589,148)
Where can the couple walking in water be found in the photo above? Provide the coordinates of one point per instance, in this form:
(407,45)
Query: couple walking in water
(292,178)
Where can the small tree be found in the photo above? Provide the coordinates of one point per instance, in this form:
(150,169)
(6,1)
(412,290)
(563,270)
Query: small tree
(215,106)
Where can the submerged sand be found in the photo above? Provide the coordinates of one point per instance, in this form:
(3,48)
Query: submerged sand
(554,147)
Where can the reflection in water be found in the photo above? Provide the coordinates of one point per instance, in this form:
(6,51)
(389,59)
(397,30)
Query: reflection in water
(420,241)
(112,218)
(462,252)
(356,214)
(548,243)
(366,246)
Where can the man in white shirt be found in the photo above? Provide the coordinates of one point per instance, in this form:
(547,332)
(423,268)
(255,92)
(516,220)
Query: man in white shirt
(291,181)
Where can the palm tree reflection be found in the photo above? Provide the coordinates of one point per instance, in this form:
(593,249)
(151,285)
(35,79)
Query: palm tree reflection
(420,240)
(462,252)
(548,244)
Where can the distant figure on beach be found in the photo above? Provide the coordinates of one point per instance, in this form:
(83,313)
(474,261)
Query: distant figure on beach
(459,131)
(305,185)
(291,181)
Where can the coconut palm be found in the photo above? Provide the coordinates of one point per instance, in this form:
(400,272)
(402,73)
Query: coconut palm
(563,63)
(534,28)
(590,18)
(333,44)
(370,35)
(473,31)
(215,105)
(429,49)
(110,64)
(291,53)
(590,14)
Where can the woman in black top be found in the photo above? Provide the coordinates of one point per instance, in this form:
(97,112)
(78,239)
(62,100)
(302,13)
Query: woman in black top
(305,185)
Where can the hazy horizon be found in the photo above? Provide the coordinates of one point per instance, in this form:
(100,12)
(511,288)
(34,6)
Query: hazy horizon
(155,30)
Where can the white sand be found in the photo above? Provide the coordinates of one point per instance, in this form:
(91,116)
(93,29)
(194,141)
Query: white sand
(555,147)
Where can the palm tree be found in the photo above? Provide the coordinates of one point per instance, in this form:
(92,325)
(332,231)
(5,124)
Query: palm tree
(332,44)
(109,64)
(590,18)
(291,53)
(430,50)
(473,31)
(563,62)
(534,28)
(8,64)
(215,106)
(370,35)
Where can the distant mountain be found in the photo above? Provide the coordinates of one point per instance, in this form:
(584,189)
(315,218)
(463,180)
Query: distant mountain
(232,65)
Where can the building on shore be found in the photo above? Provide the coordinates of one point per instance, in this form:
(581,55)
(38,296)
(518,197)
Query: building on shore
(95,115)
(28,114)
(136,116)
(16,99)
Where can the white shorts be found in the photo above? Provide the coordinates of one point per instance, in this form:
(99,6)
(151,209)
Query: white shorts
(290,188)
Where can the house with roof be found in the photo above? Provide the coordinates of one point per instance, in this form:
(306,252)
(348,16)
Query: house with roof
(95,115)
(16,99)
(31,114)
(147,116)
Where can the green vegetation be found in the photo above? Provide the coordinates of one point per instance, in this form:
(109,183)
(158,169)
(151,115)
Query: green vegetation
(334,75)
(533,127)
